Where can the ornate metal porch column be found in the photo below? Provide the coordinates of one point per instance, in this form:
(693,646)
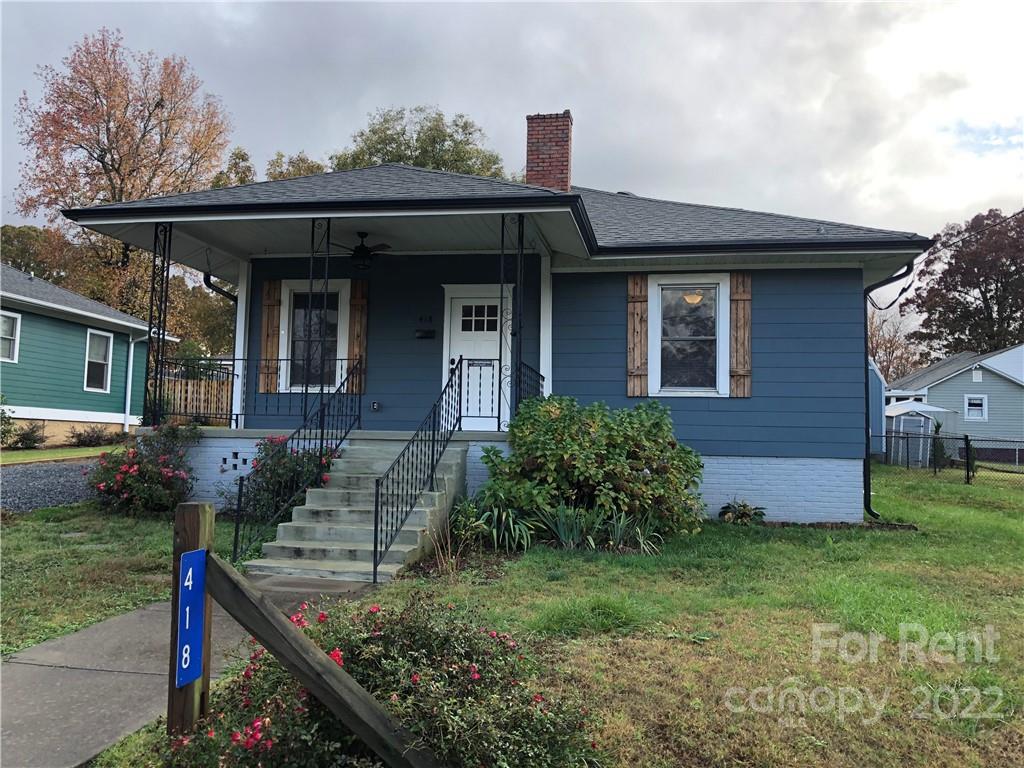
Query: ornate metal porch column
(159,285)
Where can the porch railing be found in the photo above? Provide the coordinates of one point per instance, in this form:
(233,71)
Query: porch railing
(399,488)
(297,462)
(220,392)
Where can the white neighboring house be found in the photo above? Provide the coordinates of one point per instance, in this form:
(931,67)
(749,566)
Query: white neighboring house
(984,393)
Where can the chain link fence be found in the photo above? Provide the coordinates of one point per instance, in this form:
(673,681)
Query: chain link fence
(977,459)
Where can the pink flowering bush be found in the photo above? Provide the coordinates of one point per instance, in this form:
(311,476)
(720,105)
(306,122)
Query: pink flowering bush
(279,472)
(148,478)
(462,689)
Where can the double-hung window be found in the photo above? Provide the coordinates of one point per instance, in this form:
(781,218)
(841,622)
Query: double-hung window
(976,407)
(10,335)
(315,334)
(688,327)
(98,349)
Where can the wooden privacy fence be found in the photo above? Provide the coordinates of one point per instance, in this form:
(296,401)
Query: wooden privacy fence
(360,712)
(208,399)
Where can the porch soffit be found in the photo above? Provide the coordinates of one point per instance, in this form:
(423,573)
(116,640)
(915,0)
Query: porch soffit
(217,245)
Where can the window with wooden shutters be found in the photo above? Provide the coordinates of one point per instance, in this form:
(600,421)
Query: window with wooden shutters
(688,323)
(740,357)
(270,336)
(357,325)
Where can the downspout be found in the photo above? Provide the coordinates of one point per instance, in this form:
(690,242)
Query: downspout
(907,270)
(128,383)
(208,282)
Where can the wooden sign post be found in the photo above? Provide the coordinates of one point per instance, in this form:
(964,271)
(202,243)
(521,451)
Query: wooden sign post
(191,617)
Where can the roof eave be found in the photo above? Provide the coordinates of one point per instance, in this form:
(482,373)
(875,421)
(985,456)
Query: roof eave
(916,244)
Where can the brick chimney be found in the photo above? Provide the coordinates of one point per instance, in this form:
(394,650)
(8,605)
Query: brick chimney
(549,150)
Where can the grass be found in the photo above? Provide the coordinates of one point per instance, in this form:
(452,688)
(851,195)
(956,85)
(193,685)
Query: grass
(658,644)
(65,568)
(8,456)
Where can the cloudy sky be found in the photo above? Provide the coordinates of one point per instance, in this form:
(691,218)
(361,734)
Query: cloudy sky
(899,116)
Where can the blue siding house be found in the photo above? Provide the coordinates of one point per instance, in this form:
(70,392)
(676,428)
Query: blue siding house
(391,283)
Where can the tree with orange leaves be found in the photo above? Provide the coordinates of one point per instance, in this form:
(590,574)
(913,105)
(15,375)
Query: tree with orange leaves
(114,125)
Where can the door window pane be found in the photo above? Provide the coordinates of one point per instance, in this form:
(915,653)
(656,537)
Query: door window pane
(688,337)
(479,317)
(313,328)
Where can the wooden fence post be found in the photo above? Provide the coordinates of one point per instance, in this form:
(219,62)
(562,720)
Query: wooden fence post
(193,529)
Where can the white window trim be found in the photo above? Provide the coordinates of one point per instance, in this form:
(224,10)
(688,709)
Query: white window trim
(654,285)
(984,408)
(343,287)
(17,336)
(109,362)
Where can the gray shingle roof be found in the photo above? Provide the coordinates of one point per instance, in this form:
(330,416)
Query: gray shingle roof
(937,371)
(390,181)
(18,284)
(618,220)
(621,219)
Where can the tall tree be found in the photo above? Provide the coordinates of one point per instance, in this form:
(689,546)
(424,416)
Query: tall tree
(424,137)
(281,167)
(971,286)
(890,346)
(239,170)
(114,125)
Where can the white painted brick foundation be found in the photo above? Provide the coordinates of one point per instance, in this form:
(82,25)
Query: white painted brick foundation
(220,458)
(790,489)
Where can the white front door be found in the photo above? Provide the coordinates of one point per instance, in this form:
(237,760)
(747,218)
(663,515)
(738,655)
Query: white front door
(474,332)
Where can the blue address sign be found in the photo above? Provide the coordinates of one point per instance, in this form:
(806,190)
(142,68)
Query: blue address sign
(191,617)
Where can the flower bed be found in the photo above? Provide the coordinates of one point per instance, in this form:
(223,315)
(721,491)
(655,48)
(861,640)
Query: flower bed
(462,689)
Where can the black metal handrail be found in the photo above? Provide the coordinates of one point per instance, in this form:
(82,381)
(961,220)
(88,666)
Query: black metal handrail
(297,462)
(400,486)
(529,383)
(202,390)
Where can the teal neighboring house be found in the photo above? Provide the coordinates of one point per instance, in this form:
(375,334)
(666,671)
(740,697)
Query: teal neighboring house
(67,360)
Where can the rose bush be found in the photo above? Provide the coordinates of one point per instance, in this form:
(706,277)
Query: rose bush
(461,689)
(149,478)
(279,473)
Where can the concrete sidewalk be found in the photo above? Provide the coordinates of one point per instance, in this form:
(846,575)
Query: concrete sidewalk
(66,700)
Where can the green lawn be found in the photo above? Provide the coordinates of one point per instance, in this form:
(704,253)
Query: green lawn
(8,456)
(660,644)
(68,567)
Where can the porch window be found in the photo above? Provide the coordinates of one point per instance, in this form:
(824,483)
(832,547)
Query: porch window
(10,332)
(98,347)
(313,330)
(688,345)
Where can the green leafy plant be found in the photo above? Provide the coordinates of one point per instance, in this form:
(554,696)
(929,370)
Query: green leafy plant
(462,532)
(460,688)
(588,475)
(279,474)
(740,513)
(7,425)
(30,436)
(91,435)
(149,478)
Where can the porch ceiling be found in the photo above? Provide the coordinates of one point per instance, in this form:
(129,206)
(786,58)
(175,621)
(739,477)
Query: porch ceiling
(217,244)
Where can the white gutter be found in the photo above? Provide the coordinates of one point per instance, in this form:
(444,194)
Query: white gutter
(128,384)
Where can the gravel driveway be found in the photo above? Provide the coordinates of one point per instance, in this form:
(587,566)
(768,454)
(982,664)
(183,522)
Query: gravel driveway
(24,487)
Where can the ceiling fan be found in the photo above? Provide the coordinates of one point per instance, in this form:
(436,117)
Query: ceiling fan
(362,252)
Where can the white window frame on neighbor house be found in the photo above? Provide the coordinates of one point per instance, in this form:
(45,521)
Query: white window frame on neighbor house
(17,336)
(108,362)
(343,287)
(984,408)
(655,283)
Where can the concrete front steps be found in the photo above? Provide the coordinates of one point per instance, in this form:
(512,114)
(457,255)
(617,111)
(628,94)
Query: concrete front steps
(330,536)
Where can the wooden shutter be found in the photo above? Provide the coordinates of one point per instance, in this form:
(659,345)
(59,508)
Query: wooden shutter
(739,335)
(357,320)
(270,336)
(636,336)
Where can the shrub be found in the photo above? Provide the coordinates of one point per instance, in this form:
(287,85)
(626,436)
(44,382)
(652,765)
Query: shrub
(7,425)
(459,688)
(149,478)
(90,436)
(624,462)
(740,513)
(278,474)
(32,435)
